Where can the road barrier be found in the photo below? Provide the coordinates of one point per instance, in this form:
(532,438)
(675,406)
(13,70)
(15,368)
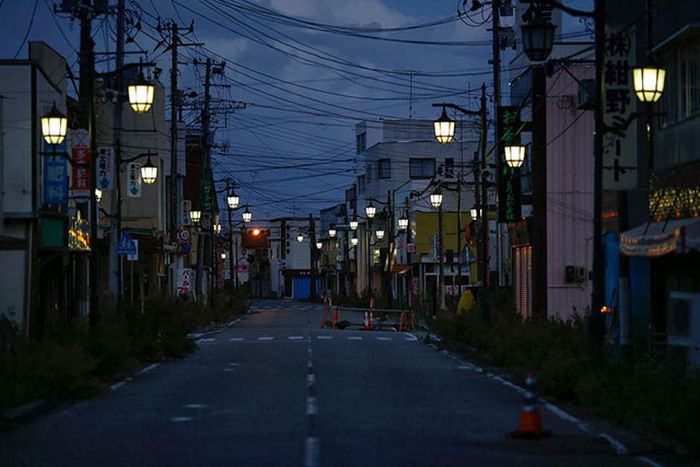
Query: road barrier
(376,318)
(329,312)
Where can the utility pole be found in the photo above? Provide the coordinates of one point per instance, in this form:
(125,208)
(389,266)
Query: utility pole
(230,235)
(496,62)
(390,233)
(484,207)
(114,275)
(174,185)
(312,255)
(206,172)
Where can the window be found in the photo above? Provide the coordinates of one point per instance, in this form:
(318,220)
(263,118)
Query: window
(384,168)
(361,142)
(681,97)
(421,168)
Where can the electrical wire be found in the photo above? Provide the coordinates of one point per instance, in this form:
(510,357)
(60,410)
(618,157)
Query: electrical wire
(29,28)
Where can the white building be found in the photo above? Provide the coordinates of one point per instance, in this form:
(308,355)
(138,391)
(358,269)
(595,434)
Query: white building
(290,259)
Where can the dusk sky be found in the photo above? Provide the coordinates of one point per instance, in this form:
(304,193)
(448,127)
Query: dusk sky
(305,72)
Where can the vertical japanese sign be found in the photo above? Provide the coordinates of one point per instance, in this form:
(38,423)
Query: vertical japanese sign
(620,150)
(186,208)
(55,175)
(509,199)
(80,154)
(184,281)
(208,198)
(133,180)
(105,167)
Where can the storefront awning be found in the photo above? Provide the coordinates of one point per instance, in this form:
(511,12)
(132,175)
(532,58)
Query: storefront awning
(661,238)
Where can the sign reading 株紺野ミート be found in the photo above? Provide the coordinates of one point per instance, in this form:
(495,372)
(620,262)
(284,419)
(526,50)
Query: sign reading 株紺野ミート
(619,149)
(133,180)
(105,167)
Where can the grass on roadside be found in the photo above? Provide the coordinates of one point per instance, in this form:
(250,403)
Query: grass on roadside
(73,361)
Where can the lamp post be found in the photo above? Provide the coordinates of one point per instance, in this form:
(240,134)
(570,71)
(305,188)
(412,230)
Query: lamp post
(370,212)
(436,203)
(247,215)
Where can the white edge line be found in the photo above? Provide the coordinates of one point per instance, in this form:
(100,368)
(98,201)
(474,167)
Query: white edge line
(620,448)
(116,386)
(648,461)
(311,408)
(150,367)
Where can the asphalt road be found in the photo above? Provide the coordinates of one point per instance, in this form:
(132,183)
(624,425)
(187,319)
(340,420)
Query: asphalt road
(275,389)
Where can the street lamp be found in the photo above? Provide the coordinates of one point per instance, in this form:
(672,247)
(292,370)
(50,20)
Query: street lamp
(195,216)
(247,216)
(444,128)
(98,194)
(353,224)
(649,83)
(223,255)
(141,95)
(537,36)
(514,155)
(149,172)
(436,199)
(370,210)
(380,234)
(54,126)
(319,245)
(300,238)
(403,222)
(353,241)
(217,228)
(474,213)
(332,231)
(233,200)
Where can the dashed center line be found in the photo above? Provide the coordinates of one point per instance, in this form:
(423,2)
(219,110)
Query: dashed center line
(325,337)
(265,338)
(383,338)
(355,338)
(295,338)
(235,339)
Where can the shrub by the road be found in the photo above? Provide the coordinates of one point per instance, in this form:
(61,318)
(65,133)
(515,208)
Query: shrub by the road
(73,361)
(633,389)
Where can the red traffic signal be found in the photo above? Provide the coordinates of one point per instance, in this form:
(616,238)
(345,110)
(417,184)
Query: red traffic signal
(254,238)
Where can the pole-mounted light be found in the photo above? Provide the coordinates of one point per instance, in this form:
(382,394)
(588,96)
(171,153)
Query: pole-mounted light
(353,224)
(474,213)
(353,241)
(514,155)
(332,231)
(537,36)
(149,172)
(649,83)
(436,199)
(195,216)
(319,245)
(444,128)
(98,194)
(370,210)
(54,126)
(233,200)
(403,222)
(380,234)
(247,215)
(141,94)
(300,238)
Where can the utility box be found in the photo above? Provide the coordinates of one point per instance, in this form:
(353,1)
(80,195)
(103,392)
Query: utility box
(683,324)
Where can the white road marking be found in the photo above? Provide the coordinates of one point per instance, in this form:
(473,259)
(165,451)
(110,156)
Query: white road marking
(620,448)
(295,338)
(311,408)
(311,452)
(234,364)
(310,379)
(355,338)
(465,367)
(116,386)
(265,338)
(410,337)
(235,339)
(383,338)
(181,419)
(325,337)
(150,367)
(648,461)
(196,406)
(207,339)
(229,370)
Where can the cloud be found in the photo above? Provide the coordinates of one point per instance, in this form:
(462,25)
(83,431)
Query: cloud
(366,13)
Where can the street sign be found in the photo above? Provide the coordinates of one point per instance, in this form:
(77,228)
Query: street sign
(135,256)
(80,154)
(126,245)
(105,167)
(184,281)
(133,180)
(55,176)
(184,235)
(411,247)
(185,248)
(186,208)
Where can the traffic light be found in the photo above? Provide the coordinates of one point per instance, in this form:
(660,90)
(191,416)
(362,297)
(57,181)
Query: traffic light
(254,237)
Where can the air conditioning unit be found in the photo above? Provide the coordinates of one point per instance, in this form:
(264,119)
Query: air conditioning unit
(683,323)
(581,273)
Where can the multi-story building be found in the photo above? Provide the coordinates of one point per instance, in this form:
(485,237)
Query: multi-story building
(41,280)
(291,268)
(398,164)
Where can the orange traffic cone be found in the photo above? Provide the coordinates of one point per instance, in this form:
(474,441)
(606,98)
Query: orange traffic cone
(530,426)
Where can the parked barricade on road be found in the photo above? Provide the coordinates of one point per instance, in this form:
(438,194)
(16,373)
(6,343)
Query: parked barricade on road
(330,315)
(378,318)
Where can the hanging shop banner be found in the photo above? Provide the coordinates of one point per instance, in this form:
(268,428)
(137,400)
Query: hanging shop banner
(105,167)
(184,281)
(186,208)
(620,148)
(55,175)
(509,199)
(80,155)
(133,180)
(134,256)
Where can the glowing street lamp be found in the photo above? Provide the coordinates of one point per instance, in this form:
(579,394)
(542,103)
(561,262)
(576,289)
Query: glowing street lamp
(149,172)
(247,216)
(195,216)
(54,126)
(319,245)
(403,222)
(444,128)
(353,241)
(380,234)
(649,83)
(370,210)
(436,199)
(353,224)
(141,95)
(300,238)
(223,255)
(474,213)
(332,231)
(233,200)
(98,194)
(514,155)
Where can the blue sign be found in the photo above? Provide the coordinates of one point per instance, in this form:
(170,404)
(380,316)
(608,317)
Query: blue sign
(55,174)
(126,245)
(185,248)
